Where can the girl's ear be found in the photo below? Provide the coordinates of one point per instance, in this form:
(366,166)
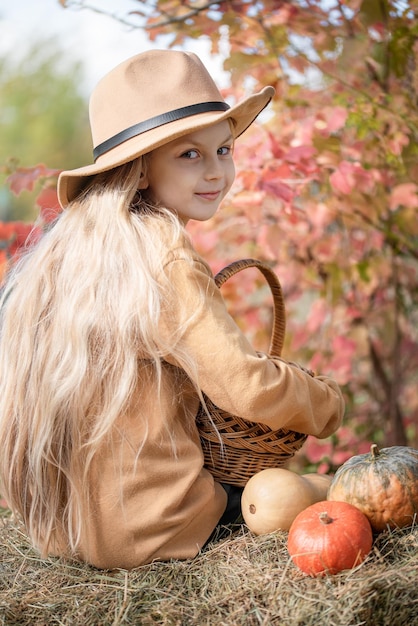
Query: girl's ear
(143,181)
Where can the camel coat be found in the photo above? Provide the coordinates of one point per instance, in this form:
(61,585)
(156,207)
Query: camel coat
(152,497)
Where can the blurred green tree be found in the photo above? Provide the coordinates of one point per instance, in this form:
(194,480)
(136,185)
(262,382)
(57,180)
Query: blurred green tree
(43,119)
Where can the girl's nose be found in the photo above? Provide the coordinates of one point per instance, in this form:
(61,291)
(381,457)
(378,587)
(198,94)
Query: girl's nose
(214,168)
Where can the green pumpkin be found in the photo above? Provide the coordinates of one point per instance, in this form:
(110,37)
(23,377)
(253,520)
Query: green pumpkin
(383,484)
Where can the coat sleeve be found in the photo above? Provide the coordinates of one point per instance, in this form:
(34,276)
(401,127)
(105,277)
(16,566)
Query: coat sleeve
(230,372)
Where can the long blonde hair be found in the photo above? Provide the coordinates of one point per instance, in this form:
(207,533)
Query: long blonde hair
(77,312)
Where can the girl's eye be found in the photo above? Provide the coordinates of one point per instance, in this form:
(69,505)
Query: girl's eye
(225,150)
(190,154)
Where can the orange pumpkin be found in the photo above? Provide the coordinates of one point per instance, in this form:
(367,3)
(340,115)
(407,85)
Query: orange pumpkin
(383,484)
(273,497)
(329,537)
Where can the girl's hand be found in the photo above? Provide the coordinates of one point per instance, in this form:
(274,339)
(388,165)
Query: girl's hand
(300,367)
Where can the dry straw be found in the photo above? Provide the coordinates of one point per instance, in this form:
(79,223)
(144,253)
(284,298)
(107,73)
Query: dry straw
(239,581)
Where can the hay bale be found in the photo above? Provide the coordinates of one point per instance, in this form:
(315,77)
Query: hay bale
(239,581)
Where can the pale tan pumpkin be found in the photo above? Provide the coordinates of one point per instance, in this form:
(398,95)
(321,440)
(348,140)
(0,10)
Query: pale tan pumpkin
(320,484)
(273,498)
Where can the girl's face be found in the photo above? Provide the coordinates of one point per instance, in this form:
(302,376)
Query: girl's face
(191,175)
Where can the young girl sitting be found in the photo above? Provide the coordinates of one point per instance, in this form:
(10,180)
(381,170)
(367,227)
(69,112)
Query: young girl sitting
(112,327)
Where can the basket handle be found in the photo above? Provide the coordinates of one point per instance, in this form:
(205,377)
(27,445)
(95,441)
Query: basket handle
(279,314)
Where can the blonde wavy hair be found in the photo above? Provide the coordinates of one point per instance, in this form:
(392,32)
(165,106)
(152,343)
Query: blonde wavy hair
(77,313)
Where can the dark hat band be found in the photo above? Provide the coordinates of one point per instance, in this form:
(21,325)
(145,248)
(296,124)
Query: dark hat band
(154,122)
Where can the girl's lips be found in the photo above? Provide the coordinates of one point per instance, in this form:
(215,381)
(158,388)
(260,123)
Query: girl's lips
(213,195)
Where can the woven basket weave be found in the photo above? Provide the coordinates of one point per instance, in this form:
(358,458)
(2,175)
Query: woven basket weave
(247,447)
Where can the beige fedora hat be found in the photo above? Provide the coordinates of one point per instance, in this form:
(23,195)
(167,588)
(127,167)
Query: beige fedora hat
(149,100)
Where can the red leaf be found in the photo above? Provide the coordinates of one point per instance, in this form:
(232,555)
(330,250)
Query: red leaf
(341,364)
(318,313)
(278,189)
(275,146)
(6,230)
(351,175)
(316,449)
(334,118)
(25,178)
(297,154)
(405,195)
(342,179)
(48,201)
(16,234)
(272,183)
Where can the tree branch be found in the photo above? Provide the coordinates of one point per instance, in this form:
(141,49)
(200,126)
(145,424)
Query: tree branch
(356,90)
(166,21)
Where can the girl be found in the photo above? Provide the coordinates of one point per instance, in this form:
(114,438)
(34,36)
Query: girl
(112,326)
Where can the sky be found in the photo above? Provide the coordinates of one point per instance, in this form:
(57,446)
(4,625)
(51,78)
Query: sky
(97,41)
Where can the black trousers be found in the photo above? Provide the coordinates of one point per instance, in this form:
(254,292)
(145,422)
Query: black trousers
(231,515)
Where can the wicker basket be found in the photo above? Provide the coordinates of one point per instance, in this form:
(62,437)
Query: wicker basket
(247,447)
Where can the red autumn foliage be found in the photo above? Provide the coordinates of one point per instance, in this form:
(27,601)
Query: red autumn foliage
(326,192)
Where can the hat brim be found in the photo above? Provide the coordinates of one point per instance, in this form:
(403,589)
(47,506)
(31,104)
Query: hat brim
(243,114)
